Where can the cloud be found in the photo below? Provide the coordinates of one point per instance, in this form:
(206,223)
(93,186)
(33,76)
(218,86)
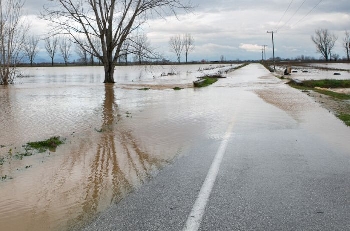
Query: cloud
(237,28)
(250,47)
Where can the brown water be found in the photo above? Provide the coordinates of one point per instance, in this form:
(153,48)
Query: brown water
(116,138)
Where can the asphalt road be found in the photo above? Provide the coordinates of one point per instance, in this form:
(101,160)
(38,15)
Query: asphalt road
(279,161)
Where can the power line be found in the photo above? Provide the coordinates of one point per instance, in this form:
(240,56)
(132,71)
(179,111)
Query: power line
(285,13)
(292,15)
(307,13)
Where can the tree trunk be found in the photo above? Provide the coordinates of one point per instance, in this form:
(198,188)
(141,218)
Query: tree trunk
(52,61)
(186,57)
(109,72)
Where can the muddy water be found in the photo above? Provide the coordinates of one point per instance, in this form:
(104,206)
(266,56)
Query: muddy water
(116,138)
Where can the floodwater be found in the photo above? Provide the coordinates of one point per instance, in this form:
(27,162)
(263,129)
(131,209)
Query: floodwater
(116,138)
(316,71)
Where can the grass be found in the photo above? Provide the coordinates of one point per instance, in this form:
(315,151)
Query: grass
(305,86)
(208,80)
(177,88)
(345,118)
(335,95)
(42,146)
(2,159)
(327,83)
(144,89)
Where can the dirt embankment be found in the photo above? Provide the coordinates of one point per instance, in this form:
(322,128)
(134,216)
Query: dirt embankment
(334,105)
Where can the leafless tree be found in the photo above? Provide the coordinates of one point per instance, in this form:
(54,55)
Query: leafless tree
(82,52)
(65,45)
(346,44)
(324,41)
(176,46)
(51,47)
(335,57)
(140,47)
(31,48)
(222,58)
(125,52)
(188,43)
(109,21)
(12,37)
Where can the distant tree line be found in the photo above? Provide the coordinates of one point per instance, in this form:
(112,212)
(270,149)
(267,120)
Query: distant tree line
(105,30)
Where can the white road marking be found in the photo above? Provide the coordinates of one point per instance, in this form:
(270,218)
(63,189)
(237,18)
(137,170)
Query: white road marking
(195,218)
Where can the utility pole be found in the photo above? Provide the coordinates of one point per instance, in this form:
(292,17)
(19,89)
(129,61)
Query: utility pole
(273,50)
(264,51)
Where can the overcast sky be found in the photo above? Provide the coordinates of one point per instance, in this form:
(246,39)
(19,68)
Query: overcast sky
(236,29)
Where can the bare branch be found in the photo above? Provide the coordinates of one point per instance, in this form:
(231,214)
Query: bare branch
(176,46)
(110,21)
(324,42)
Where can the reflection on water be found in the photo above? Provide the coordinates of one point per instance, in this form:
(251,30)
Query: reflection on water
(83,178)
(115,140)
(118,166)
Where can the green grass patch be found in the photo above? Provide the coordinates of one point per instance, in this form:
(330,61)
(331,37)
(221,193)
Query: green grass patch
(311,84)
(345,118)
(177,88)
(327,83)
(205,81)
(144,89)
(44,145)
(335,95)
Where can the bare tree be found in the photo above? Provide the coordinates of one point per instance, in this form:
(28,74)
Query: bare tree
(176,46)
(109,21)
(125,52)
(222,58)
(346,44)
(65,45)
(51,47)
(140,47)
(12,37)
(188,43)
(82,52)
(324,42)
(335,57)
(31,48)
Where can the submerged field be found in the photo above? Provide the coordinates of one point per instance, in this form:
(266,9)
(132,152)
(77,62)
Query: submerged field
(114,137)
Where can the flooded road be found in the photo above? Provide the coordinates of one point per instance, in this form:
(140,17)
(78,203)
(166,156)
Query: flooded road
(268,158)
(119,138)
(116,138)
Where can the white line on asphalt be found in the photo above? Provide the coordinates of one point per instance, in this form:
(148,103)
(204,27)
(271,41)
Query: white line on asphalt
(195,218)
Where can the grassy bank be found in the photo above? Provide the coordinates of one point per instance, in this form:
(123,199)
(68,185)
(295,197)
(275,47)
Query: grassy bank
(321,85)
(345,117)
(336,102)
(205,81)
(327,83)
